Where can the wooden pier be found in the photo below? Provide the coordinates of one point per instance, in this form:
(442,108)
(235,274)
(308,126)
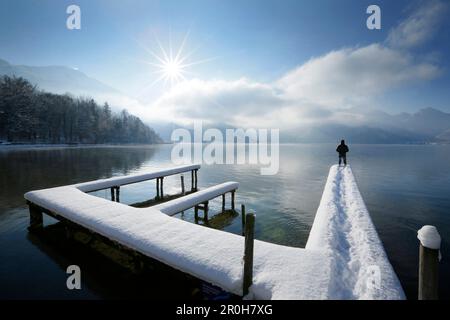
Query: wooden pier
(238,264)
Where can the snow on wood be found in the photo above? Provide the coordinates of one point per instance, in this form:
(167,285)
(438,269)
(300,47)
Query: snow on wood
(429,237)
(343,244)
(344,231)
(189,201)
(134,178)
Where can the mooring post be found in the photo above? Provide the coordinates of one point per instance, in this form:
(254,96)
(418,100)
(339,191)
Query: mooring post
(36,218)
(182,185)
(232,199)
(430,243)
(162,187)
(117,194)
(248,253)
(113,195)
(243,218)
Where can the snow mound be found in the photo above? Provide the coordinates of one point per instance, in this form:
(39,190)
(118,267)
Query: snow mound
(429,237)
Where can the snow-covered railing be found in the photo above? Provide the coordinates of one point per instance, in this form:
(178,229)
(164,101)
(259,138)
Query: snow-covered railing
(200,197)
(115,183)
(343,258)
(101,184)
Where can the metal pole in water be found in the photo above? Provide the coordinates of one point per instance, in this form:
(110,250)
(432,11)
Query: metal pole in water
(430,243)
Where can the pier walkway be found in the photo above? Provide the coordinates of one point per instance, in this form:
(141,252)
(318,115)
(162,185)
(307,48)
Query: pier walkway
(343,258)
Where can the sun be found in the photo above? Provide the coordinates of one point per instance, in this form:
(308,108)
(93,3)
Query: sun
(171,68)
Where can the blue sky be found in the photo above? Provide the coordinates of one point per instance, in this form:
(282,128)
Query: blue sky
(255,45)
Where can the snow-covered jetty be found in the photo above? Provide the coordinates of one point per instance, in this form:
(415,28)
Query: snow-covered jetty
(343,258)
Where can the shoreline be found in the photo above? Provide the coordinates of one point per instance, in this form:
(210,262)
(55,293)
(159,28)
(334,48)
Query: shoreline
(19,146)
(23,146)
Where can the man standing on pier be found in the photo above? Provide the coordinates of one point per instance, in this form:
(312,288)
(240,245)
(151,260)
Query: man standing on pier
(342,149)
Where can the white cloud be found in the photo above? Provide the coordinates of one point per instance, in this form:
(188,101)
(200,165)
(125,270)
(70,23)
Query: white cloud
(323,89)
(312,92)
(419,27)
(347,77)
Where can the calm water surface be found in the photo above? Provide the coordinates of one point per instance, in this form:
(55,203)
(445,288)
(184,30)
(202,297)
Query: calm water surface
(404,187)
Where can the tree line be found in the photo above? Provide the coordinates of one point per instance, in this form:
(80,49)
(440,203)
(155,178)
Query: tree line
(29,115)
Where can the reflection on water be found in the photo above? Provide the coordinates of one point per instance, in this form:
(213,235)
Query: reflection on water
(404,187)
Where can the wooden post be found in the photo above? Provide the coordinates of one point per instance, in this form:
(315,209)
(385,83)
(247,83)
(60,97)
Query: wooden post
(157,188)
(243,218)
(196,179)
(192,180)
(430,242)
(196,213)
(223,202)
(162,187)
(248,253)
(182,185)
(113,195)
(36,218)
(232,199)
(205,210)
(117,194)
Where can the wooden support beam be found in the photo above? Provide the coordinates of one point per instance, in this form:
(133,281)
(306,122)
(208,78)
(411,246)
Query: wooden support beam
(36,218)
(157,188)
(243,218)
(248,253)
(232,199)
(192,180)
(161,184)
(205,210)
(223,202)
(117,194)
(195,179)
(183,192)
(196,213)
(113,195)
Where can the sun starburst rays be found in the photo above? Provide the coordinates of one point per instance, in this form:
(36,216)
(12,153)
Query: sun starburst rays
(171,66)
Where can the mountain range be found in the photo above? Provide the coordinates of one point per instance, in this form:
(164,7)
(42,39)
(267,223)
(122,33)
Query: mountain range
(428,125)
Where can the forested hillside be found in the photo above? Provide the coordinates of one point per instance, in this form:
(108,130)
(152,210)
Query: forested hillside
(32,116)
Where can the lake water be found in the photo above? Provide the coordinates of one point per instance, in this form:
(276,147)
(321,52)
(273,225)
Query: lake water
(404,188)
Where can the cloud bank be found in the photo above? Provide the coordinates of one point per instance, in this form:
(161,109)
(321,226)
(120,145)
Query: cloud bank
(325,88)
